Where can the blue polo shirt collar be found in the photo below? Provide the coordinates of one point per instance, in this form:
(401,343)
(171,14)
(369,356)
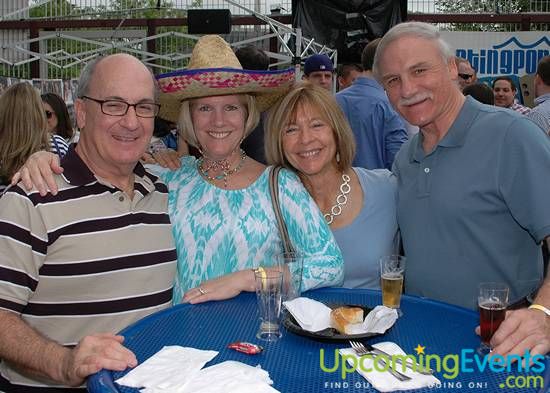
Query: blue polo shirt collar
(455,137)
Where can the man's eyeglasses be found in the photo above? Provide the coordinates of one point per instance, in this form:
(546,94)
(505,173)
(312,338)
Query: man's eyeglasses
(120,108)
(466,76)
(48,114)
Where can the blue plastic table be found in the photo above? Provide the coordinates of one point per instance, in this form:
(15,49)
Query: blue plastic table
(293,362)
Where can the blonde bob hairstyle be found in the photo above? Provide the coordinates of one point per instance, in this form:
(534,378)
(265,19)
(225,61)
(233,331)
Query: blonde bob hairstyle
(185,121)
(23,127)
(284,113)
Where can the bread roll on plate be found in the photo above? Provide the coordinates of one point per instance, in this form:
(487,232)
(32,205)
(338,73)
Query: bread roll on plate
(343,317)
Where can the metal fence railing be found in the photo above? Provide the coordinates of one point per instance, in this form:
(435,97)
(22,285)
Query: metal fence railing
(477,6)
(57,9)
(64,49)
(143,8)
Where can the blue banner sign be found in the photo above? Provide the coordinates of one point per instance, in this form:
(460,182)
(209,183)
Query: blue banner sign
(494,54)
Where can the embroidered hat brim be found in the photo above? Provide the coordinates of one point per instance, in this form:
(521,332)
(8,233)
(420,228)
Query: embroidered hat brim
(214,70)
(177,86)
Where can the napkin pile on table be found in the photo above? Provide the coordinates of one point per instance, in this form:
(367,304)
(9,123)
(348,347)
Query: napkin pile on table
(314,316)
(176,369)
(383,381)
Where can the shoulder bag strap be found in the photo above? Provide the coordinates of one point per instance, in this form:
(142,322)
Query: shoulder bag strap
(274,191)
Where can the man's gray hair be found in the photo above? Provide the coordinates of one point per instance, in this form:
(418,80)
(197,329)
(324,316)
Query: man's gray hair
(411,29)
(87,73)
(86,77)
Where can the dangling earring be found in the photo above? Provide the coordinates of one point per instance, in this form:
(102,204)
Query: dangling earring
(338,157)
(239,145)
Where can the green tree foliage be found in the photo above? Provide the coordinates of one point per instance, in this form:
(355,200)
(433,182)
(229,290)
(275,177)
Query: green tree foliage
(477,6)
(497,7)
(113,8)
(52,8)
(149,9)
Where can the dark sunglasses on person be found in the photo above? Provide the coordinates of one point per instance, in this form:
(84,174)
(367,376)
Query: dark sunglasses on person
(48,114)
(466,76)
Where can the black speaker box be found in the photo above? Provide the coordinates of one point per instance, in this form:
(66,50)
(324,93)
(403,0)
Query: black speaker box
(208,21)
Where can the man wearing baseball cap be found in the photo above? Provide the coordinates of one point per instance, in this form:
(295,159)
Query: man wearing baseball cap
(318,69)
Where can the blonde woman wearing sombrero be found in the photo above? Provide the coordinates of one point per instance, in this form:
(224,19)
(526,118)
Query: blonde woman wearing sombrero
(222,215)
(220,206)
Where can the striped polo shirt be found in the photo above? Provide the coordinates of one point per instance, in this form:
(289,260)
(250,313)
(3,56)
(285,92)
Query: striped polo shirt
(58,145)
(88,260)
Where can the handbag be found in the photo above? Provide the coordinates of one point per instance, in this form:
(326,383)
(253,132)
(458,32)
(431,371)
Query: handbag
(274,191)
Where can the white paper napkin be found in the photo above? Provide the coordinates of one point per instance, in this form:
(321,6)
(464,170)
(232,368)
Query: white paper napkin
(229,377)
(176,369)
(314,316)
(171,367)
(383,381)
(378,320)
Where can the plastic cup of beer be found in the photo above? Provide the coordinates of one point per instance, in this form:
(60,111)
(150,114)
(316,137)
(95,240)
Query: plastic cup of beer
(492,301)
(392,271)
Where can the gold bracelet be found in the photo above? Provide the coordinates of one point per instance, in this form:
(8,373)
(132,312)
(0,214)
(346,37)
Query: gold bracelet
(262,272)
(541,308)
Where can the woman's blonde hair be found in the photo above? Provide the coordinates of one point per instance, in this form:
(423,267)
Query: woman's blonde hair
(23,127)
(185,121)
(284,113)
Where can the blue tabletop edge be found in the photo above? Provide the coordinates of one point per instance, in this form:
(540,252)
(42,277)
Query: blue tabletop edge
(102,381)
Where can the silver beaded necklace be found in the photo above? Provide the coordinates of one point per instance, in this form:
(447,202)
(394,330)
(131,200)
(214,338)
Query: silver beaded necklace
(341,199)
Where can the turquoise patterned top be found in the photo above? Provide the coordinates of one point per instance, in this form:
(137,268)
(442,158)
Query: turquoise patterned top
(221,231)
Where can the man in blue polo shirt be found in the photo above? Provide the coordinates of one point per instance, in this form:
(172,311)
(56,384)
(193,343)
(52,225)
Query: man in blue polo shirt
(472,206)
(379,131)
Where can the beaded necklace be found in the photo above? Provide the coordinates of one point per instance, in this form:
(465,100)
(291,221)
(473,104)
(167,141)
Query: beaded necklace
(222,165)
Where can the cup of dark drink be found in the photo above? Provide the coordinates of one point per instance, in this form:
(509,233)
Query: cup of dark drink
(492,301)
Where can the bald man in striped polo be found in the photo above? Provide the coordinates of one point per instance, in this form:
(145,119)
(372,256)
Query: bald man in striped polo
(78,266)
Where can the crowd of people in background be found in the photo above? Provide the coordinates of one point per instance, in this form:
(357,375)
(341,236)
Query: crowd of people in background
(26,118)
(501,91)
(23,128)
(412,147)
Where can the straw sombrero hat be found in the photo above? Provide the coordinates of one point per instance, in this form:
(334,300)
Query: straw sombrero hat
(214,70)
